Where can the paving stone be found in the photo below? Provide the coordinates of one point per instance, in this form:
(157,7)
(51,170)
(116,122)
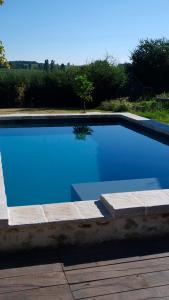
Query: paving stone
(23,215)
(61,212)
(92,209)
(156,202)
(123,204)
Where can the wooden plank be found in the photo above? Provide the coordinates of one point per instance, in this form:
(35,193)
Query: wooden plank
(35,270)
(116,285)
(110,271)
(30,281)
(101,273)
(155,293)
(101,262)
(61,292)
(114,252)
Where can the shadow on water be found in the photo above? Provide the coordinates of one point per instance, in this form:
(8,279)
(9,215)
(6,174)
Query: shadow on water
(148,132)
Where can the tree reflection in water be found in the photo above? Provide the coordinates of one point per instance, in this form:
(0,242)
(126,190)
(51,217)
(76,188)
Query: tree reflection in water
(82,131)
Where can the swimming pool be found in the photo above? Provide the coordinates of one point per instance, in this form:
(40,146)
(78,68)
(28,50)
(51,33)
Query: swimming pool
(42,164)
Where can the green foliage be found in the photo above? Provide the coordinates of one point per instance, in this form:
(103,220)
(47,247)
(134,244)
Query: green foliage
(108,79)
(116,105)
(20,93)
(123,105)
(46,65)
(144,106)
(25,65)
(83,89)
(55,86)
(52,65)
(163,95)
(159,115)
(3,60)
(150,64)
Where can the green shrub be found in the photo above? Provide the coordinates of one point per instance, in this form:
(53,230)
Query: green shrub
(163,95)
(145,106)
(55,88)
(115,105)
(122,105)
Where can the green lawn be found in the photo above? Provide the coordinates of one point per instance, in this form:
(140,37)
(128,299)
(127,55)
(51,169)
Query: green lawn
(160,115)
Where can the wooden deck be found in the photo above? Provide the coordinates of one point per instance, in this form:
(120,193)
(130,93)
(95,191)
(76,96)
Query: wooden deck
(120,271)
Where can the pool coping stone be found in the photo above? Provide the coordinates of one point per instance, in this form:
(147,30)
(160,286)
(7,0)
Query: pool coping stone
(141,203)
(3,199)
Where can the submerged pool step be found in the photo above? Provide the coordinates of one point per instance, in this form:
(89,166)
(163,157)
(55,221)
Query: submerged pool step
(93,190)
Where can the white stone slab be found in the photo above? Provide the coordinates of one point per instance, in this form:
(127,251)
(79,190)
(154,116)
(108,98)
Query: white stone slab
(24,215)
(123,204)
(166,192)
(61,212)
(137,203)
(91,210)
(156,202)
(130,116)
(3,200)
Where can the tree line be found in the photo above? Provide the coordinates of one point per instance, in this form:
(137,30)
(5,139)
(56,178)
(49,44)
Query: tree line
(34,65)
(53,85)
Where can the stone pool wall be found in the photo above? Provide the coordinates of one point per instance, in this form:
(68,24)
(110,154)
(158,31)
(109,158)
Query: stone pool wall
(27,237)
(115,216)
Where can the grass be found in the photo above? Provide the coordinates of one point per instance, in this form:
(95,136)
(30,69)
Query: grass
(159,115)
(151,109)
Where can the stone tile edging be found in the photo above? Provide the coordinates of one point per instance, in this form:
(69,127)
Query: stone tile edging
(111,206)
(80,211)
(3,200)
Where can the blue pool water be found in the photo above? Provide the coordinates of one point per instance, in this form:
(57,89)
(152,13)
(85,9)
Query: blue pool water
(40,164)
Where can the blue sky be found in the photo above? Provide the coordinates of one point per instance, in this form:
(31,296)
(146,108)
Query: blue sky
(78,31)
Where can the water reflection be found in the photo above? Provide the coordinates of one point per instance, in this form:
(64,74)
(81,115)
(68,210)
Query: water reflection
(81,132)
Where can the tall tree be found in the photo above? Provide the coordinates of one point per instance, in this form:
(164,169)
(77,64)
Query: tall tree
(150,63)
(46,65)
(62,67)
(52,65)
